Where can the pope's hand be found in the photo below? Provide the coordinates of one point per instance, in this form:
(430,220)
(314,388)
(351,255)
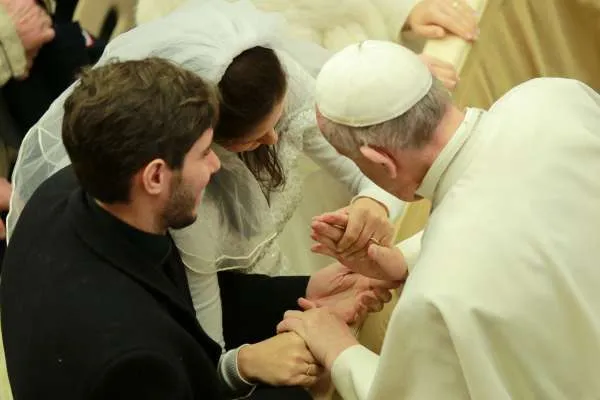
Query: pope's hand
(435,18)
(346,294)
(283,360)
(442,70)
(325,334)
(383,261)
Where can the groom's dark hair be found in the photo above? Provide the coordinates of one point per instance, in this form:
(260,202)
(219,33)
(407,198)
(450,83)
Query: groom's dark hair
(123,115)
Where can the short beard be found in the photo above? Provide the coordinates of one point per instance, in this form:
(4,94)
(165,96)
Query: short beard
(179,211)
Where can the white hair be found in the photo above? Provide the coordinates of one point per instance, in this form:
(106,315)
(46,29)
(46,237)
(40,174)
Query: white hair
(413,129)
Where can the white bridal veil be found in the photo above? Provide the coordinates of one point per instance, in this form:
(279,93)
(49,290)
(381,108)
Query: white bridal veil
(202,36)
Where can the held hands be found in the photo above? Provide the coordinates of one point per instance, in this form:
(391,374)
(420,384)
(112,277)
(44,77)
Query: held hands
(283,360)
(33,25)
(325,334)
(379,261)
(365,220)
(435,18)
(348,295)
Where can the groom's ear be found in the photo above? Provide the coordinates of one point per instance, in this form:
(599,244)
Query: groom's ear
(380,157)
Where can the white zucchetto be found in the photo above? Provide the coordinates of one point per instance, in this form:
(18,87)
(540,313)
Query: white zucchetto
(371,82)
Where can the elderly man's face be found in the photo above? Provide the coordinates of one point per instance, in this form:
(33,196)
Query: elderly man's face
(402,183)
(399,173)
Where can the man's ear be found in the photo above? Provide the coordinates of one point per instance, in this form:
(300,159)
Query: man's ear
(382,158)
(154,177)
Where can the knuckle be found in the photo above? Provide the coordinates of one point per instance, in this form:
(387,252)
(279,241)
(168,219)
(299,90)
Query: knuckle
(351,237)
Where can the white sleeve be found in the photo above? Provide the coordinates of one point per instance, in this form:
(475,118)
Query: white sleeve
(206,296)
(353,372)
(418,360)
(196,248)
(411,249)
(395,13)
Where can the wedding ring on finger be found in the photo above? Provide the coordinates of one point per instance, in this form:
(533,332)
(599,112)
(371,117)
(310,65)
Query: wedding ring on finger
(375,241)
(309,369)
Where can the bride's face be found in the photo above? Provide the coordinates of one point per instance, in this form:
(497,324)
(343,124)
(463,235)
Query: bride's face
(263,133)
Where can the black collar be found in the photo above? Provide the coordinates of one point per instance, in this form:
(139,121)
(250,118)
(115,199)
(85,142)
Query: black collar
(156,248)
(124,247)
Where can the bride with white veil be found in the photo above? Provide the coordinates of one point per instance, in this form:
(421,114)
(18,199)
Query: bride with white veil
(238,226)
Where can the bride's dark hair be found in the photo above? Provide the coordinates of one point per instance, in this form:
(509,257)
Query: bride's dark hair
(250,88)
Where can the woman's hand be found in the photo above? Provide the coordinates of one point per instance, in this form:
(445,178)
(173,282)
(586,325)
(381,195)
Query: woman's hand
(283,360)
(435,18)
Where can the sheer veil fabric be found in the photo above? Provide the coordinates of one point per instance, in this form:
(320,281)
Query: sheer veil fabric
(236,226)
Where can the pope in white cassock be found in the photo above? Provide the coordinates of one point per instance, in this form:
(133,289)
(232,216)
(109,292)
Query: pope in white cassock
(504,300)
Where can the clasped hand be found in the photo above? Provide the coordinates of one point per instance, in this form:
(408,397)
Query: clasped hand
(436,18)
(283,360)
(376,258)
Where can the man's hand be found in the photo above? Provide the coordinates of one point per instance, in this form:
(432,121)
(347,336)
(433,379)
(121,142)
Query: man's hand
(383,261)
(325,334)
(32,23)
(283,360)
(435,18)
(442,70)
(346,294)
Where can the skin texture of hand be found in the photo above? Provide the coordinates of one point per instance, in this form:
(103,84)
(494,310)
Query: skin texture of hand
(385,262)
(436,18)
(325,334)
(442,70)
(364,221)
(283,360)
(348,295)
(32,23)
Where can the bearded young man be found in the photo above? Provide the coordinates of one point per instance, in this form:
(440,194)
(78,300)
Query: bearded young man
(94,296)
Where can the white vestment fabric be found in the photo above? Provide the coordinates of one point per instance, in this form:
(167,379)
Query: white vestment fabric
(503,302)
(237,228)
(333,24)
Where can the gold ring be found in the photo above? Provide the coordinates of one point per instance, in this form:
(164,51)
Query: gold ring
(375,241)
(307,373)
(455,4)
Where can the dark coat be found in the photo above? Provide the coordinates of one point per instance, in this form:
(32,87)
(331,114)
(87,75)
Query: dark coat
(86,314)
